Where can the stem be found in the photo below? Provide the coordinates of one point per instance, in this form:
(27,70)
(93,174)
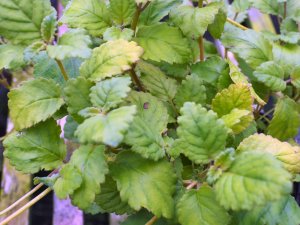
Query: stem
(200,40)
(285,10)
(200,3)
(3,81)
(151,221)
(136,80)
(191,185)
(140,8)
(236,24)
(62,69)
(25,207)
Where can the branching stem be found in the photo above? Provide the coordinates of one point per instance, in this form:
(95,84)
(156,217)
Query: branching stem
(62,69)
(139,9)
(136,80)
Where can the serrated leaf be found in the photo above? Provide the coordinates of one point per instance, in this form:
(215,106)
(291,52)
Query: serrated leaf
(36,148)
(241,5)
(295,77)
(115,33)
(108,94)
(11,56)
(69,129)
(90,162)
(91,15)
(111,58)
(286,120)
(217,27)
(236,96)
(268,6)
(32,51)
(48,26)
(33,102)
(293,9)
(158,45)
(238,120)
(201,134)
(73,43)
(253,179)
(108,129)
(194,21)
(201,207)
(69,180)
(289,155)
(21,19)
(137,180)
(271,75)
(122,11)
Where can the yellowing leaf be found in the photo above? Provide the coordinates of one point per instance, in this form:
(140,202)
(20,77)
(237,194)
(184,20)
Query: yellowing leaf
(238,120)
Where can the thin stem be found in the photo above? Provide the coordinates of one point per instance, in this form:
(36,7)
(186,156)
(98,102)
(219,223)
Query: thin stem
(191,185)
(136,80)
(200,39)
(139,9)
(62,69)
(152,220)
(25,207)
(200,3)
(237,24)
(285,10)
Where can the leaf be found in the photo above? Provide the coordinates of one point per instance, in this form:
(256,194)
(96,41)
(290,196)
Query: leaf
(217,27)
(115,33)
(271,75)
(201,207)
(249,45)
(90,162)
(268,6)
(241,5)
(111,58)
(73,43)
(145,183)
(201,134)
(69,180)
(91,15)
(191,90)
(77,93)
(254,178)
(36,148)
(158,45)
(236,96)
(289,155)
(157,82)
(21,19)
(238,120)
(108,94)
(286,121)
(108,129)
(11,56)
(48,26)
(194,21)
(293,9)
(33,102)
(122,12)
(156,11)
(69,129)
(295,77)
(33,51)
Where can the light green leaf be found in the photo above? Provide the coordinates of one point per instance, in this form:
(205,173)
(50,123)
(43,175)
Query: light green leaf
(295,77)
(271,75)
(11,56)
(137,180)
(194,21)
(241,5)
(69,180)
(73,43)
(111,58)
(108,129)
(158,45)
(33,102)
(286,120)
(48,26)
(21,19)
(69,129)
(201,207)
(268,6)
(201,134)
(31,53)
(91,15)
(90,162)
(293,9)
(115,33)
(236,96)
(122,12)
(253,179)
(108,94)
(36,148)
(238,120)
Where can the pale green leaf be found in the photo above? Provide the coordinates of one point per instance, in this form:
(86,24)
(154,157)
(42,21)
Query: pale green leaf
(241,5)
(201,207)
(295,77)
(122,12)
(253,179)
(108,94)
(163,43)
(111,58)
(286,120)
(33,102)
(115,33)
(11,56)
(69,129)
(48,27)
(273,7)
(293,9)
(36,148)
(145,183)
(108,129)
(91,15)
(238,120)
(31,52)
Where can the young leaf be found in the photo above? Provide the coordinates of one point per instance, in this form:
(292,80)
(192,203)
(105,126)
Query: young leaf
(108,129)
(91,15)
(201,207)
(115,33)
(201,134)
(238,120)
(158,45)
(111,58)
(253,179)
(33,102)
(36,148)
(286,120)
(73,43)
(11,56)
(48,26)
(268,6)
(217,27)
(33,51)
(108,94)
(145,183)
(295,77)
(122,12)
(289,155)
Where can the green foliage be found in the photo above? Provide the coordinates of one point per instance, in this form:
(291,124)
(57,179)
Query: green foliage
(13,56)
